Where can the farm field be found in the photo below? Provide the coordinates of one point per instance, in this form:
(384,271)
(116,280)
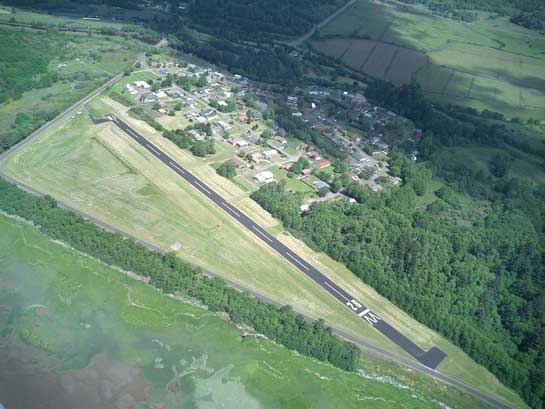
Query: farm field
(104,173)
(445,56)
(150,348)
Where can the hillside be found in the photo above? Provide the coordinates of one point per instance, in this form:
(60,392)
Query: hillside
(401,44)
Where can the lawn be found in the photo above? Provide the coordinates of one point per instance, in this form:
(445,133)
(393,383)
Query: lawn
(103,172)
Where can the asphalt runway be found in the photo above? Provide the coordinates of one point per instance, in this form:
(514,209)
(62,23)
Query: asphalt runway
(430,359)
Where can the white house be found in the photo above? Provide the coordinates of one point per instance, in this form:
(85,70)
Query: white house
(271,153)
(264,177)
(141,84)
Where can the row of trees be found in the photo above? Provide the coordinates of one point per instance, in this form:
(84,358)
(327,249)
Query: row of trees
(174,276)
(479,280)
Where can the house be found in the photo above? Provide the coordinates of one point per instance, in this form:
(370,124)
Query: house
(319,185)
(239,164)
(148,98)
(291,145)
(130,89)
(163,111)
(163,71)
(222,103)
(196,135)
(160,94)
(241,143)
(323,164)
(243,117)
(313,155)
(201,119)
(271,153)
(209,113)
(279,139)
(264,177)
(306,173)
(253,137)
(396,180)
(256,157)
(141,84)
(225,126)
(304,208)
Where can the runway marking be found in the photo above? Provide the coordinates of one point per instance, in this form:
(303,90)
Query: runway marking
(175,166)
(231,208)
(234,211)
(297,261)
(334,289)
(202,187)
(153,149)
(262,234)
(361,314)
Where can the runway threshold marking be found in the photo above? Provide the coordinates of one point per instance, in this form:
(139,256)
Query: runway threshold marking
(361,314)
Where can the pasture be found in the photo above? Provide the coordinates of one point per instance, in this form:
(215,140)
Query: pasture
(489,64)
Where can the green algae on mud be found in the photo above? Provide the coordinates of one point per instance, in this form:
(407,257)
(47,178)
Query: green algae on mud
(72,309)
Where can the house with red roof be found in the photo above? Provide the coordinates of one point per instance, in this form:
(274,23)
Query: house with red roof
(323,164)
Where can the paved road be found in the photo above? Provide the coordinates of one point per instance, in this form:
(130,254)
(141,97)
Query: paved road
(431,358)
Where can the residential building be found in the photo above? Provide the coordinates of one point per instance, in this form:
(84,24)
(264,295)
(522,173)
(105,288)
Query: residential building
(264,177)
(319,185)
(271,153)
(323,164)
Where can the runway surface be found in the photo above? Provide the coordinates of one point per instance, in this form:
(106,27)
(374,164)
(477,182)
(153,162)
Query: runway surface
(431,358)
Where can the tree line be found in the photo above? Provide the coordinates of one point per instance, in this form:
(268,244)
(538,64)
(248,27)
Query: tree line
(172,275)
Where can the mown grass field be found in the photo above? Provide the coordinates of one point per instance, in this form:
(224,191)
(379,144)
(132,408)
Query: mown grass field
(101,171)
(490,63)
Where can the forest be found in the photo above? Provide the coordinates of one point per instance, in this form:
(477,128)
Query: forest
(476,277)
(172,275)
(259,20)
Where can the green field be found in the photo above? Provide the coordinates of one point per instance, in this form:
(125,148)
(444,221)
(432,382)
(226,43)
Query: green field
(103,172)
(78,65)
(69,309)
(489,64)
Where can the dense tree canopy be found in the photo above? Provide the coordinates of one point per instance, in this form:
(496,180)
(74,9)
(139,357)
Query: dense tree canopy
(257,20)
